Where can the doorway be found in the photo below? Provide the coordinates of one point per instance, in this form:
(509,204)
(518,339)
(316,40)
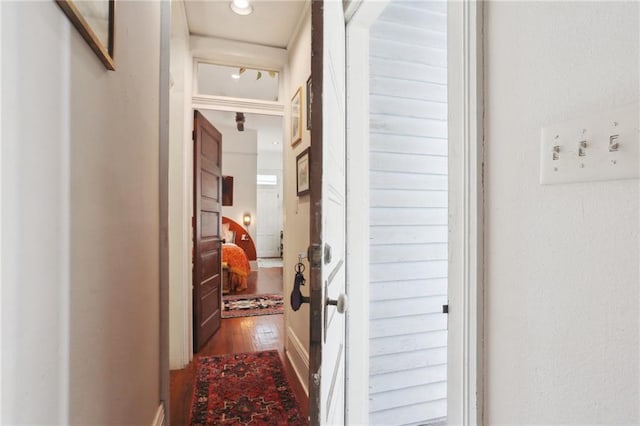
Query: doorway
(252,319)
(273,73)
(397,85)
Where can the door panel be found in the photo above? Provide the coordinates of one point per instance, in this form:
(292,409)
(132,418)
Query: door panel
(210,224)
(328,189)
(209,185)
(207,291)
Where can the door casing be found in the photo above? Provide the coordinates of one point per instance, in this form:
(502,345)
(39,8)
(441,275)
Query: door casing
(465,89)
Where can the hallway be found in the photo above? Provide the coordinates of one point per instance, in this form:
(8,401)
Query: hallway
(237,335)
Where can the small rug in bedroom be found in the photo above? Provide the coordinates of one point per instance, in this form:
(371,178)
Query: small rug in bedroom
(252,305)
(243,389)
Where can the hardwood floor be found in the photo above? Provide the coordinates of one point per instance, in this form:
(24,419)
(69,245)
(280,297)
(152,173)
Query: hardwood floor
(236,335)
(264,281)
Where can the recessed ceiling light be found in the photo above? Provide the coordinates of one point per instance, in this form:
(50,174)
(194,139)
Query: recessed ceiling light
(235,76)
(241,7)
(275,142)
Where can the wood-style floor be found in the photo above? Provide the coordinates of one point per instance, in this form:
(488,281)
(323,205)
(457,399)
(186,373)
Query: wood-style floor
(264,281)
(246,334)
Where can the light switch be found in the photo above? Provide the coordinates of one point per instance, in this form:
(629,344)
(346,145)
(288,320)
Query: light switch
(602,146)
(613,143)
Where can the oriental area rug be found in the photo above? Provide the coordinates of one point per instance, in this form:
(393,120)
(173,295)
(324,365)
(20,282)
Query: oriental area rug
(243,389)
(248,306)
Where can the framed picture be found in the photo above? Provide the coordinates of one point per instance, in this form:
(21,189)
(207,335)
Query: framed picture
(309,100)
(227,190)
(95,21)
(296,117)
(302,172)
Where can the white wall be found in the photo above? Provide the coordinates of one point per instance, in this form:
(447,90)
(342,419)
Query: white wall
(296,209)
(269,160)
(561,287)
(180,191)
(80,220)
(408,214)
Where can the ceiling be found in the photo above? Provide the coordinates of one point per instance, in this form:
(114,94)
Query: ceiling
(271,23)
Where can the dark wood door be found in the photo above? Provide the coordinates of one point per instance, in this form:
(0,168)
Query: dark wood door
(207,208)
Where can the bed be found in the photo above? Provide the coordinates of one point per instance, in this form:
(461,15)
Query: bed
(236,268)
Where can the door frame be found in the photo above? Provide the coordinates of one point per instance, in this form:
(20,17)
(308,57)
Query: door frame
(180,320)
(214,104)
(358,22)
(466,191)
(465,387)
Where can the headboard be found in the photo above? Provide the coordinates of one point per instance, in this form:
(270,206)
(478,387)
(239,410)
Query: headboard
(245,244)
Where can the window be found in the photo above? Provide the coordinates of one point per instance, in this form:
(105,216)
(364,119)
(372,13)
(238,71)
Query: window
(237,82)
(267,180)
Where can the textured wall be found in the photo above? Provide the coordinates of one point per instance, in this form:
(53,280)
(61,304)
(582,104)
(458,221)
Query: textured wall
(561,314)
(82,285)
(296,209)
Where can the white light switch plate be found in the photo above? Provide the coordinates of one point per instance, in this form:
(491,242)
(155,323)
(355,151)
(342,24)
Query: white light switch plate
(598,162)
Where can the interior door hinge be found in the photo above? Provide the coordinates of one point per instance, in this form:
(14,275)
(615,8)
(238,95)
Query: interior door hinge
(193,135)
(445,309)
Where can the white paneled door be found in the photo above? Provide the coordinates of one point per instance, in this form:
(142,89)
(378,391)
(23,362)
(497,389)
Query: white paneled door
(328,220)
(269,221)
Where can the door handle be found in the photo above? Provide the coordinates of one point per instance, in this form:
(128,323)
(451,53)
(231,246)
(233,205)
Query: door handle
(341,304)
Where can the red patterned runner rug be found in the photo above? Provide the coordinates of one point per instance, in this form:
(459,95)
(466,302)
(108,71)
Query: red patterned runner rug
(249,306)
(243,389)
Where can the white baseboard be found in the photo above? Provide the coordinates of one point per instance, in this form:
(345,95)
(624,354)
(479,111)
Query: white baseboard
(158,420)
(299,358)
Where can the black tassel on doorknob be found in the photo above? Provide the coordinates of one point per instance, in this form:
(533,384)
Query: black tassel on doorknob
(297,299)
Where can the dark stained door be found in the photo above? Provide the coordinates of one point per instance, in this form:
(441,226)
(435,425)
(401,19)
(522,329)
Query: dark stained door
(207,208)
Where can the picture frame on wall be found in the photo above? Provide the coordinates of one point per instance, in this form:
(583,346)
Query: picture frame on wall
(309,100)
(227,190)
(95,21)
(296,117)
(303,165)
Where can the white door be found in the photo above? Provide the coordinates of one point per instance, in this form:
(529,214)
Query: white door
(328,229)
(269,221)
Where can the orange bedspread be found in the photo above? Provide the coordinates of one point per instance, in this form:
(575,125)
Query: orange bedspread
(238,265)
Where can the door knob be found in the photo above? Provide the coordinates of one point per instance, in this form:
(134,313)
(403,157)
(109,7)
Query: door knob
(341,304)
